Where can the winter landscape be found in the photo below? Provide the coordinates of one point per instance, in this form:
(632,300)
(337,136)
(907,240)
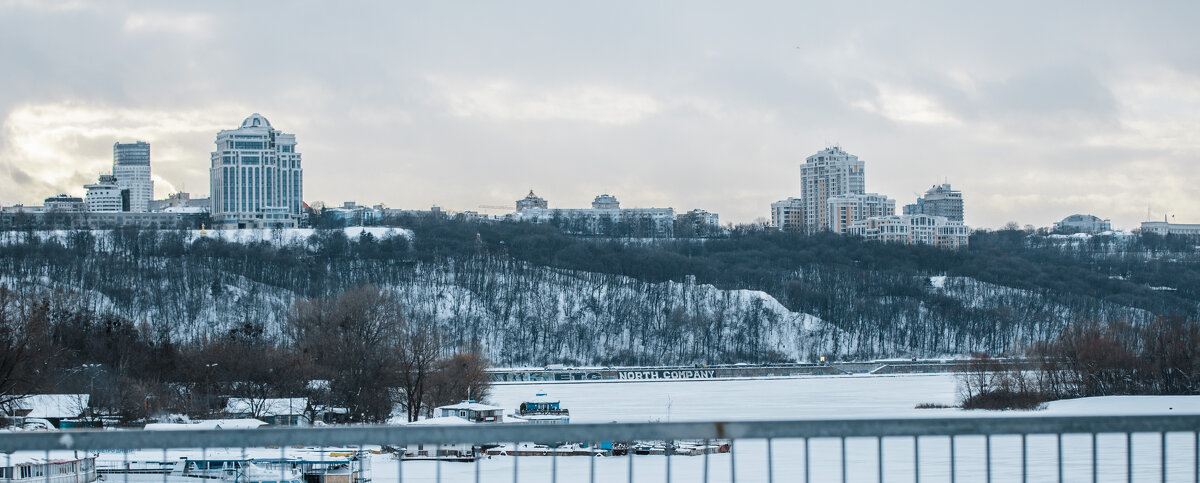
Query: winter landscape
(291,242)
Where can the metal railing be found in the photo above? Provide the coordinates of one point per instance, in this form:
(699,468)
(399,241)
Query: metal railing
(1002,448)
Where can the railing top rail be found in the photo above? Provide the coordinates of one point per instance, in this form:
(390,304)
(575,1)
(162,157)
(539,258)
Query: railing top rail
(483,433)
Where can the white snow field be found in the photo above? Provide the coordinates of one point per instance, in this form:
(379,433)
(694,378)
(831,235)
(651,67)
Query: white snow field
(815,397)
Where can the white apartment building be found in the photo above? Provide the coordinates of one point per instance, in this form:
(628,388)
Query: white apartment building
(937,231)
(605,218)
(131,166)
(256,178)
(845,210)
(788,215)
(106,195)
(830,172)
(1165,228)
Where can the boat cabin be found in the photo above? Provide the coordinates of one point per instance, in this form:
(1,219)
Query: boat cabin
(543,409)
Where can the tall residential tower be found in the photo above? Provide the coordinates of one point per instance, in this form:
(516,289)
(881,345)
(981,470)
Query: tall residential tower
(131,167)
(256,180)
(830,172)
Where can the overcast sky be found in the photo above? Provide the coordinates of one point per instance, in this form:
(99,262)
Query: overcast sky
(1034,110)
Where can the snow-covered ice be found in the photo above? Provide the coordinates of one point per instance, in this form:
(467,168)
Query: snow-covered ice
(816,397)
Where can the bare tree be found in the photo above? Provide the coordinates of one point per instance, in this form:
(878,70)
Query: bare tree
(460,376)
(417,354)
(351,340)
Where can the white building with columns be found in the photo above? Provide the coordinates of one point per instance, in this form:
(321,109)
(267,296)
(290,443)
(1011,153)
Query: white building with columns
(256,178)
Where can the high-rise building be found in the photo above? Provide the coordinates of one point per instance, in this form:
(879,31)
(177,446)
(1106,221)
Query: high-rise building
(788,215)
(940,200)
(256,179)
(830,172)
(131,166)
(844,210)
(107,195)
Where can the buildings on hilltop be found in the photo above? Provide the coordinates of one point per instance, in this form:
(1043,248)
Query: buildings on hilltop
(64,204)
(106,195)
(834,198)
(1090,224)
(131,167)
(607,218)
(938,231)
(1165,228)
(940,200)
(256,179)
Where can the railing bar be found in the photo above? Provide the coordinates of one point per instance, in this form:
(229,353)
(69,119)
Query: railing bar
(987,449)
(770,462)
(952,472)
(1129,457)
(125,458)
(554,465)
(806,472)
(732,463)
(1059,458)
(515,454)
(46,466)
(1196,456)
(843,459)
(591,464)
(706,461)
(879,457)
(1095,452)
(917,458)
(1024,458)
(165,460)
(437,462)
(282,467)
(629,453)
(1163,454)
(478,456)
(400,451)
(668,448)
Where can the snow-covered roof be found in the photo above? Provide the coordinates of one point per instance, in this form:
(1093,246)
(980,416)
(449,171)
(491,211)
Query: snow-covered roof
(267,407)
(542,398)
(207,424)
(185,209)
(440,421)
(52,405)
(473,406)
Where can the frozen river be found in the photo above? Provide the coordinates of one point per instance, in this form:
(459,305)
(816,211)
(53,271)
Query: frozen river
(817,397)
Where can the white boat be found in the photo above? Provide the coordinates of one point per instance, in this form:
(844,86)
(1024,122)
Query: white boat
(72,470)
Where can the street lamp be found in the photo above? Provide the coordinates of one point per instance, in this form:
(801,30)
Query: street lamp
(208,391)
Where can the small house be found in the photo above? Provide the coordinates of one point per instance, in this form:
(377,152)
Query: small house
(472,411)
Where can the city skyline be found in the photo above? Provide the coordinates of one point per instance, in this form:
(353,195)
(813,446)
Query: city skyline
(1091,109)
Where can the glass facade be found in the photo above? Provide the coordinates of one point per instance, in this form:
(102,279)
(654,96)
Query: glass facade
(256,177)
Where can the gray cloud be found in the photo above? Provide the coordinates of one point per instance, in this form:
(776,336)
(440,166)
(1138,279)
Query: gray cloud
(1036,111)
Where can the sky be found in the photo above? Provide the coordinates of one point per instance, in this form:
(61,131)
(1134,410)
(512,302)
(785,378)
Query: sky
(1035,110)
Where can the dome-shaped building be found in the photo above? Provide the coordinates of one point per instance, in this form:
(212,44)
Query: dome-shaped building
(1082,224)
(256,177)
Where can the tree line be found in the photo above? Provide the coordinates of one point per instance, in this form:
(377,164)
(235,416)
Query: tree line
(354,351)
